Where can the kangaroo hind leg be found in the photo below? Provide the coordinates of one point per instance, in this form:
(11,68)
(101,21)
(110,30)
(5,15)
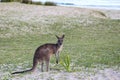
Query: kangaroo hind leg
(42,64)
(35,62)
(47,64)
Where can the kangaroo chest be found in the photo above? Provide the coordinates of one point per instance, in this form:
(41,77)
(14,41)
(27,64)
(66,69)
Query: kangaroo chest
(60,48)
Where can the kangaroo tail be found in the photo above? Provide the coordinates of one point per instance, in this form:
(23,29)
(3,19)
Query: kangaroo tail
(30,70)
(35,62)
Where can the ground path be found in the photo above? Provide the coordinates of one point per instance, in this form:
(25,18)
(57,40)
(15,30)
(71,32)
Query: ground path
(106,74)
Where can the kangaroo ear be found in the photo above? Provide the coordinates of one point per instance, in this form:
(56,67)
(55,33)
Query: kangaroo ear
(57,36)
(63,36)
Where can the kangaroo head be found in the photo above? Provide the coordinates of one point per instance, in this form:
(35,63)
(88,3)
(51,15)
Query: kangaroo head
(59,44)
(60,39)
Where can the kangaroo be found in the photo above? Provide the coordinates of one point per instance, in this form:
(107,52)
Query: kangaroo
(43,53)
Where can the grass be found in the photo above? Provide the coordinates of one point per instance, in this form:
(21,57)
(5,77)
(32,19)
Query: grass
(89,40)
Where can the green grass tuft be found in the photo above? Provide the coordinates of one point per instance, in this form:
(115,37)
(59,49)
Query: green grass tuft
(66,63)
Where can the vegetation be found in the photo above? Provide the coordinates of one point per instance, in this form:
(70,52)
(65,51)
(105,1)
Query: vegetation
(6,0)
(50,3)
(66,63)
(31,2)
(25,1)
(37,3)
(10,0)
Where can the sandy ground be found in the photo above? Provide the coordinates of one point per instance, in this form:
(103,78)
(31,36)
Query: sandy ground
(31,11)
(98,73)
(106,74)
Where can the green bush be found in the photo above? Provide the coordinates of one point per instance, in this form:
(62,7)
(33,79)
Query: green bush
(50,3)
(17,0)
(37,3)
(26,1)
(7,0)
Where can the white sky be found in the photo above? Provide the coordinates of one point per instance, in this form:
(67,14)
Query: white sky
(87,2)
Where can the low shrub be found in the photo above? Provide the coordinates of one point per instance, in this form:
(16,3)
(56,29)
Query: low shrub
(7,0)
(17,0)
(26,1)
(50,3)
(37,3)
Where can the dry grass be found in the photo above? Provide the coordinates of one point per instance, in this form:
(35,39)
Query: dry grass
(37,17)
(41,11)
(10,16)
